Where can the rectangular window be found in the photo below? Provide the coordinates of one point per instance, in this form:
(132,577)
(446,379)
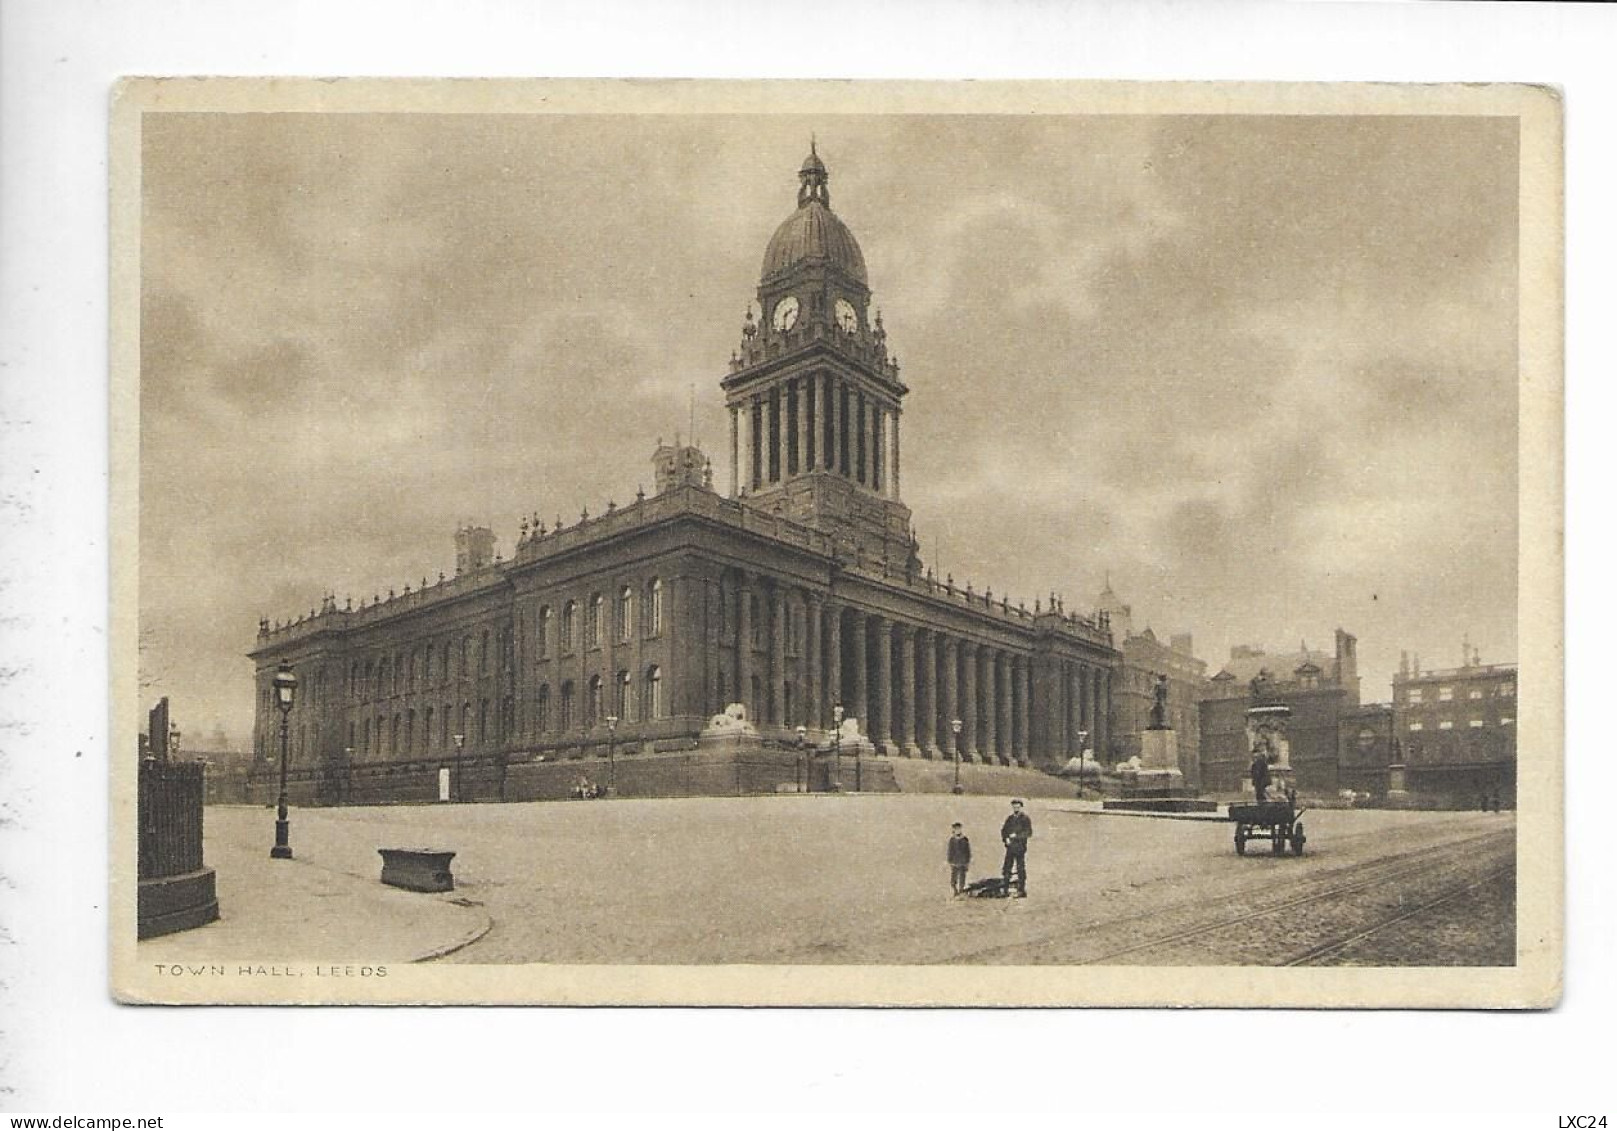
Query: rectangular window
(1476,722)
(878,444)
(1445,694)
(757,443)
(1507,689)
(793,456)
(1505,720)
(1417,726)
(1414,695)
(860,472)
(842,429)
(774,434)
(810,401)
(1446,724)
(1474,693)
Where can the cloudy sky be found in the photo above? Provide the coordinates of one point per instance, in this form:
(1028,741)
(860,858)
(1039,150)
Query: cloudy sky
(1262,370)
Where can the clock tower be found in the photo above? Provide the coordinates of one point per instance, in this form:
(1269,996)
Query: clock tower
(814,397)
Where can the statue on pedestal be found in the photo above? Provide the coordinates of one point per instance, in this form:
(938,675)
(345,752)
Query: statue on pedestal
(1159,708)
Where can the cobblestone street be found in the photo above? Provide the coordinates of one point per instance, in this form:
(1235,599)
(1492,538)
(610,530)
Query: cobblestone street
(862,879)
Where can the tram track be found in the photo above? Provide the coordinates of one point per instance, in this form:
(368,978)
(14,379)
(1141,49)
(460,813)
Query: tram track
(1257,927)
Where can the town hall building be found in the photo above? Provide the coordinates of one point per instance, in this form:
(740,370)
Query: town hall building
(620,636)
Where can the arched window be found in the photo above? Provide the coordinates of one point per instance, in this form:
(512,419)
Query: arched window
(381,678)
(409,681)
(654,692)
(393,744)
(444,664)
(482,721)
(482,654)
(426,728)
(654,607)
(541,643)
(353,679)
(365,738)
(569,614)
(465,657)
(541,709)
(625,615)
(757,621)
(567,706)
(398,672)
(443,727)
(426,665)
(592,621)
(623,697)
(594,707)
(409,731)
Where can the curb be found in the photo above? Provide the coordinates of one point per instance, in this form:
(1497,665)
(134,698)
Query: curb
(484,926)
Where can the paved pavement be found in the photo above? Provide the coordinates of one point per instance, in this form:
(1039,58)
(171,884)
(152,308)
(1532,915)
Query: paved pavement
(320,906)
(842,879)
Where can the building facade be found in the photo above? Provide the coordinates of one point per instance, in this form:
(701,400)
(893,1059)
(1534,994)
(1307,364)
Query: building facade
(1457,730)
(626,631)
(1322,690)
(1144,657)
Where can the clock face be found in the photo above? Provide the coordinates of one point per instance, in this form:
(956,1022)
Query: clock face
(786,313)
(847,318)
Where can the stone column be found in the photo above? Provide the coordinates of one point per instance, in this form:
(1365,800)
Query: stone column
(989,683)
(811,661)
(744,646)
(859,708)
(735,451)
(1087,690)
(896,493)
(883,692)
(968,701)
(711,596)
(833,662)
(1024,694)
(1103,710)
(908,743)
(951,697)
(777,655)
(1007,697)
(926,693)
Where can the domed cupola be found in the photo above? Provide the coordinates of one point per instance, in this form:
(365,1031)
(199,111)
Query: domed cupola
(813,234)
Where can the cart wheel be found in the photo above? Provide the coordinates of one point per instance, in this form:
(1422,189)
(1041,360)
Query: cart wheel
(1298,840)
(1279,842)
(1240,845)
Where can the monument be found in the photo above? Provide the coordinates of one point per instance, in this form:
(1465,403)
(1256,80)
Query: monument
(1157,784)
(1266,721)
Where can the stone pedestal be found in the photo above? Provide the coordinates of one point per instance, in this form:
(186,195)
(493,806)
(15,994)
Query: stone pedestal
(1159,763)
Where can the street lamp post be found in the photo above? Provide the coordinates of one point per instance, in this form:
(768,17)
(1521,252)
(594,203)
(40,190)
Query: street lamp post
(460,784)
(836,748)
(611,755)
(955,725)
(1083,741)
(286,689)
(802,760)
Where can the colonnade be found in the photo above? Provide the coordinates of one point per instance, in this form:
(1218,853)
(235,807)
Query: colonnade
(797,654)
(814,422)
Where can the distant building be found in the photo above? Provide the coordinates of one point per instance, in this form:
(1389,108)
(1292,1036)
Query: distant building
(1133,691)
(1457,729)
(1322,690)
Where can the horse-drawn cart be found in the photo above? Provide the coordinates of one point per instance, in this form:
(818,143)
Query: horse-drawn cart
(1278,822)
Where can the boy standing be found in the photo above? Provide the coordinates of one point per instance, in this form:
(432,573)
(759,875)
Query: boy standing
(959,858)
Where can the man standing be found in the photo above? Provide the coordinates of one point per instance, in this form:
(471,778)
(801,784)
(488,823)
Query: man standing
(1260,773)
(1015,832)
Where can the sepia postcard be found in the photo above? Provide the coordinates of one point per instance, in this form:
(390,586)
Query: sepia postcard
(836,543)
